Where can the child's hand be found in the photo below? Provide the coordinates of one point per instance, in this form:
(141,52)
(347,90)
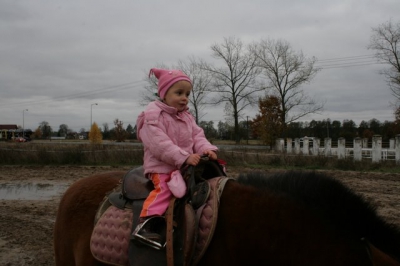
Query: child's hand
(212,155)
(193,159)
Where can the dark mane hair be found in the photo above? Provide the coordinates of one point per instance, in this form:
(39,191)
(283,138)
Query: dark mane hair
(332,201)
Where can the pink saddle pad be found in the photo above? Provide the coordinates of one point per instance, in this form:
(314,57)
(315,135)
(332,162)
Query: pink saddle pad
(111,235)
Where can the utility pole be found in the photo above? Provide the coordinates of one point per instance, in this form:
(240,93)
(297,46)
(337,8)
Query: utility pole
(247,130)
(91,108)
(23,122)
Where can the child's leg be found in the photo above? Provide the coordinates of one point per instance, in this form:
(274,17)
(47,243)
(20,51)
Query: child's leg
(158,199)
(155,204)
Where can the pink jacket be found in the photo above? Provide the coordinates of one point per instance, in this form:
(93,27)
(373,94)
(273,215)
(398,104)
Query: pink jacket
(169,137)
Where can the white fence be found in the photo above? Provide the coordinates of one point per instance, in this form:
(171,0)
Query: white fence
(360,149)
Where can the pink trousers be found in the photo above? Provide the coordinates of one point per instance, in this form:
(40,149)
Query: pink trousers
(158,199)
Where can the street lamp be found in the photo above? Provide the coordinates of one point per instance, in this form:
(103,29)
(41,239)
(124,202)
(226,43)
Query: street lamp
(23,122)
(91,114)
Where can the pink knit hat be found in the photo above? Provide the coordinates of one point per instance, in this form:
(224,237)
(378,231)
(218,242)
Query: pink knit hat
(167,78)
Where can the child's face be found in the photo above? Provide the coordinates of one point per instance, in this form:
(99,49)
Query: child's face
(178,95)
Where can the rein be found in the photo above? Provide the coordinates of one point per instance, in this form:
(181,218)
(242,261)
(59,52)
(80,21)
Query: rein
(169,215)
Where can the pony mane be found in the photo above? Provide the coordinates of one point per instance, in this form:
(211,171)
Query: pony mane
(333,202)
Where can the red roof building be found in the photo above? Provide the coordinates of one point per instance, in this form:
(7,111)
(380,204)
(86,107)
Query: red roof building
(7,131)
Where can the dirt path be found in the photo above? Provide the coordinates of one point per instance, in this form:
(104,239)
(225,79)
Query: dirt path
(26,225)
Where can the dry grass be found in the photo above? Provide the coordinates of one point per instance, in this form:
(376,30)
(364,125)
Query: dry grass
(72,153)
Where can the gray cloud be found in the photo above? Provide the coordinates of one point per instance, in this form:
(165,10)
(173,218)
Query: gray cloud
(59,57)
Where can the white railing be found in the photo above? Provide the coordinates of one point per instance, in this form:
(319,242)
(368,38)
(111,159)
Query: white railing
(359,151)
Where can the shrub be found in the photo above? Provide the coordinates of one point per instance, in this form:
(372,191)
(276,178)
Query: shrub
(95,136)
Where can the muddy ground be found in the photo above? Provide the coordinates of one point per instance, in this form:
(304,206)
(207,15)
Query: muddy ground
(26,225)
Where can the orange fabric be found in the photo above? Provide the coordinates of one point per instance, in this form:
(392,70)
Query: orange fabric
(158,199)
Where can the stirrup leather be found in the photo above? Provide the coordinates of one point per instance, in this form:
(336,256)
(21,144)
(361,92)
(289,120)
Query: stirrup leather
(157,225)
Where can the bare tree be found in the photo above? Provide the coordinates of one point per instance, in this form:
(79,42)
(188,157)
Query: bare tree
(385,40)
(150,90)
(120,133)
(201,81)
(286,71)
(235,80)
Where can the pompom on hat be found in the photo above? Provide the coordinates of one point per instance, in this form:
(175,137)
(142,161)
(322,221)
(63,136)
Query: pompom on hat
(167,78)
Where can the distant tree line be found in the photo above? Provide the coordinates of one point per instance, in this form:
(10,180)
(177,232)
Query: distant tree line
(118,133)
(334,129)
(347,129)
(251,129)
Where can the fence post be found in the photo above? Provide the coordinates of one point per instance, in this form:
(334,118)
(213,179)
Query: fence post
(341,149)
(357,149)
(365,143)
(305,146)
(376,148)
(397,145)
(277,145)
(327,146)
(297,146)
(391,144)
(289,145)
(280,145)
(316,143)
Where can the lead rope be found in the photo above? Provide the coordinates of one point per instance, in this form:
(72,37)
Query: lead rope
(190,183)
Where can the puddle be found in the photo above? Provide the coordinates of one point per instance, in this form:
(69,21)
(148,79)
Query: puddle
(30,191)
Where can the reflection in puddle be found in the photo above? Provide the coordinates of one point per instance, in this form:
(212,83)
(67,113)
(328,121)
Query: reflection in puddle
(30,191)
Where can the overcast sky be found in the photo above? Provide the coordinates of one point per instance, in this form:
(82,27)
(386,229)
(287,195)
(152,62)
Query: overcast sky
(57,58)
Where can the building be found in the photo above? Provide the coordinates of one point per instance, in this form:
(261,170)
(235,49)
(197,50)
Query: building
(12,131)
(7,131)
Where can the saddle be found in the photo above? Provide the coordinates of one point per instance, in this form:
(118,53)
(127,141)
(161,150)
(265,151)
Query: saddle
(189,222)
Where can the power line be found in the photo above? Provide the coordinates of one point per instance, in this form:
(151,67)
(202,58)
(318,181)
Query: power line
(351,65)
(329,63)
(347,58)
(348,61)
(80,94)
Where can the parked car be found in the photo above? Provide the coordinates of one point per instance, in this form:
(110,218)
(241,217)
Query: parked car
(20,139)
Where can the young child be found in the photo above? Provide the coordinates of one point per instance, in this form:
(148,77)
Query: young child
(171,139)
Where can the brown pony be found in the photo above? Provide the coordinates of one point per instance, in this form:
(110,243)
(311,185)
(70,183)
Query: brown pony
(295,218)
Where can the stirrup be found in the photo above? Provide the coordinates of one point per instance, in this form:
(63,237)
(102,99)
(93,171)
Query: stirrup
(158,223)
